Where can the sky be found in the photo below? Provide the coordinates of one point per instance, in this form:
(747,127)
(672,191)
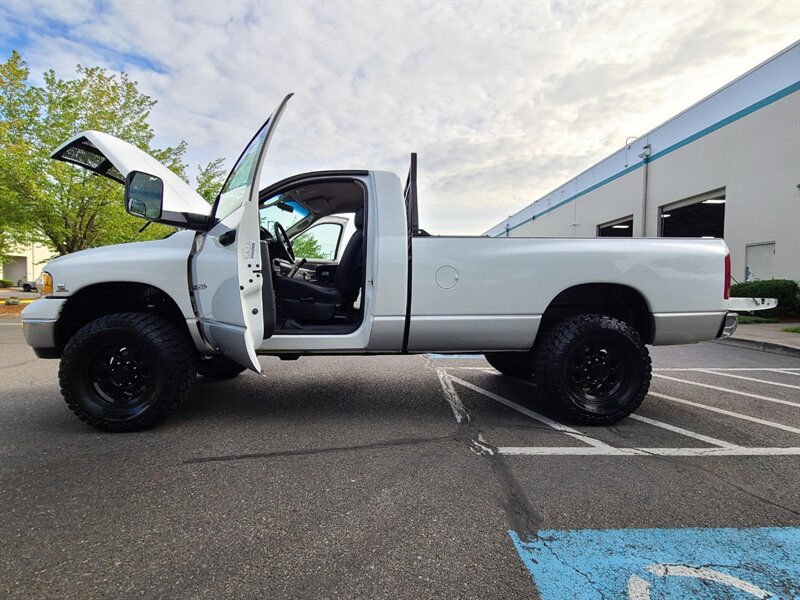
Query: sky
(502,101)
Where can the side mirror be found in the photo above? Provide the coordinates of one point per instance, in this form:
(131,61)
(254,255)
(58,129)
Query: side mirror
(144,195)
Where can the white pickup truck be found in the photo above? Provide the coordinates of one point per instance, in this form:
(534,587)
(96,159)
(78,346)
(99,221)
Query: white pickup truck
(135,323)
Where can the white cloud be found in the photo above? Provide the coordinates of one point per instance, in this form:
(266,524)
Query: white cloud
(503,101)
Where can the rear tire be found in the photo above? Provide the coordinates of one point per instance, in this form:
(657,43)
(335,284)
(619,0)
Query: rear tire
(595,368)
(26,288)
(513,364)
(126,371)
(216,366)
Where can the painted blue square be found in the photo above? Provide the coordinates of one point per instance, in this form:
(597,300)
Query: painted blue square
(660,564)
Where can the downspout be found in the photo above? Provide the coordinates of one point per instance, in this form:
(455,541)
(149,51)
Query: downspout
(645,156)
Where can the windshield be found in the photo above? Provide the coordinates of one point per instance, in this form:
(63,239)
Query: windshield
(272,214)
(240,182)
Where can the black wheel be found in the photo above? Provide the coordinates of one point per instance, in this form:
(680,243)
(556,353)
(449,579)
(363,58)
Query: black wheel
(594,368)
(26,288)
(218,367)
(126,371)
(513,364)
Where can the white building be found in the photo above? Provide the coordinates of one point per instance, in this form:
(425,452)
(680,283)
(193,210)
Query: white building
(26,264)
(729,166)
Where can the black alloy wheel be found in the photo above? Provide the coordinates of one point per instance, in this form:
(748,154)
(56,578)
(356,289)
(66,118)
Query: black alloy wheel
(598,371)
(123,380)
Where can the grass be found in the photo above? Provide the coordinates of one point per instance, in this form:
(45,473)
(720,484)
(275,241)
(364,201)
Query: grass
(791,329)
(749,320)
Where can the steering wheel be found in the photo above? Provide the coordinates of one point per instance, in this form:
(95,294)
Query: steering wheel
(280,235)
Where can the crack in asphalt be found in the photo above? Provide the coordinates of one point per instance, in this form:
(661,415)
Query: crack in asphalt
(19,364)
(520,514)
(306,451)
(592,583)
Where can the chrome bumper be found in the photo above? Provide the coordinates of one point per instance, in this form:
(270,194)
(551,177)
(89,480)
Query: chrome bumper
(40,333)
(729,325)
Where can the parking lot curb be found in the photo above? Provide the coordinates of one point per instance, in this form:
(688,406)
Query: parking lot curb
(770,347)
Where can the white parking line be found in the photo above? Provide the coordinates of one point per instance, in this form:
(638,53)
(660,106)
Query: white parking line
(785,372)
(611,451)
(730,391)
(596,447)
(730,413)
(786,385)
(448,368)
(781,370)
(682,431)
(451,396)
(533,415)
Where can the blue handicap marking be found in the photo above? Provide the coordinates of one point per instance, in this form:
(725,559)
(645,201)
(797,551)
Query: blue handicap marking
(661,564)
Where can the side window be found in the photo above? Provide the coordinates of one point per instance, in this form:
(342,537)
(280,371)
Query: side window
(320,242)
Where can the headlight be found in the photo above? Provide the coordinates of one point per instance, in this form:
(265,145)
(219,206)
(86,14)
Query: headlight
(47,283)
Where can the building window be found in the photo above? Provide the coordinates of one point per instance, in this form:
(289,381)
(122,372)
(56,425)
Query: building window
(698,217)
(619,228)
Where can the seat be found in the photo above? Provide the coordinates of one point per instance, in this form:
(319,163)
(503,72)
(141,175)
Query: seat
(301,299)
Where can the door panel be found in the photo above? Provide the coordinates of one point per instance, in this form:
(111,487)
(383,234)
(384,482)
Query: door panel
(228,269)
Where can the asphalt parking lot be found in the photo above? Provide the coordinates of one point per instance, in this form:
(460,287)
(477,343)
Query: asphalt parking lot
(407,477)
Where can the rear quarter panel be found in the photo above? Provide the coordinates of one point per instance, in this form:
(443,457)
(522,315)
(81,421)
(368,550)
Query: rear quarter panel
(504,285)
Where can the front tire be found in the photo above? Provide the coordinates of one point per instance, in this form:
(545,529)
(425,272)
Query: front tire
(513,364)
(215,366)
(126,371)
(595,368)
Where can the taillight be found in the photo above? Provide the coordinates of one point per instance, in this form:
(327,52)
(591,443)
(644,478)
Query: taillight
(727,276)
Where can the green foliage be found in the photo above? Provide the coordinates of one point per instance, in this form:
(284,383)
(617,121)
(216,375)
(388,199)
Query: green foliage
(785,290)
(6,283)
(306,246)
(753,320)
(61,205)
(791,329)
(210,179)
(12,301)
(14,111)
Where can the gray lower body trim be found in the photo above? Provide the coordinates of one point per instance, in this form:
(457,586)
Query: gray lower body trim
(469,332)
(687,328)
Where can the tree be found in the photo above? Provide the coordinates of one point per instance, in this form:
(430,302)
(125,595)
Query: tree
(306,245)
(61,205)
(210,179)
(14,112)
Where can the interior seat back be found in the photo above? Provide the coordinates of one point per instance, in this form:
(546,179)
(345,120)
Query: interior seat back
(350,270)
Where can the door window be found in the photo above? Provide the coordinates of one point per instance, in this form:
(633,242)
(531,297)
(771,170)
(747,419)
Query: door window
(320,242)
(240,182)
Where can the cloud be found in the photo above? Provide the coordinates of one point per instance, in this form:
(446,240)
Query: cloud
(502,101)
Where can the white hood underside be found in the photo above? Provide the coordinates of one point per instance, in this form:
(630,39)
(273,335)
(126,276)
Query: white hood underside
(125,157)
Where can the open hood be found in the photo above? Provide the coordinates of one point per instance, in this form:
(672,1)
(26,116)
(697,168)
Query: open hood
(111,157)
